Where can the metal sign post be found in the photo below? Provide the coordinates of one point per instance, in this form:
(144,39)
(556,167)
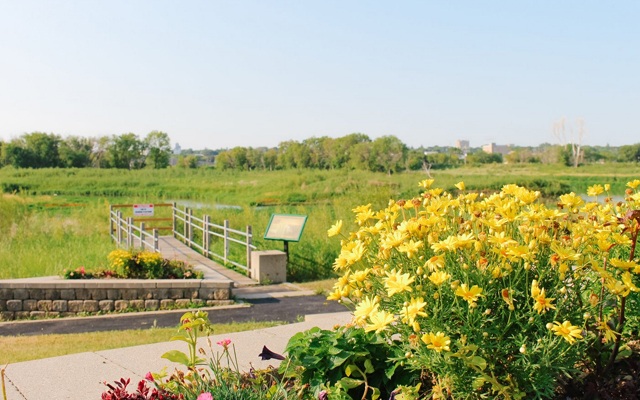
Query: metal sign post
(285,227)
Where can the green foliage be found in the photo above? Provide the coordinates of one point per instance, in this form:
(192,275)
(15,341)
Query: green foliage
(496,295)
(137,264)
(347,363)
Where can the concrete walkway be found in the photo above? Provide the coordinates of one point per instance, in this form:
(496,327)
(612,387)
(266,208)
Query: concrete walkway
(173,249)
(82,376)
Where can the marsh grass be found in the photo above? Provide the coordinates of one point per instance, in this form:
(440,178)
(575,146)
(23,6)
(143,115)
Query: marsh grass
(15,349)
(38,240)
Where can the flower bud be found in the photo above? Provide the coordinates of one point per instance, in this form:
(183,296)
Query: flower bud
(523,349)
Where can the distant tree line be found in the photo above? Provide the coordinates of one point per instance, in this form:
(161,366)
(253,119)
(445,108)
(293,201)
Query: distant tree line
(127,151)
(386,154)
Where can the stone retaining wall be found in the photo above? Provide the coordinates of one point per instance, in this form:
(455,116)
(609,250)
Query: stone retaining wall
(20,300)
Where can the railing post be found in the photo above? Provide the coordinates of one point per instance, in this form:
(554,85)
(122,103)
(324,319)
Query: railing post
(185,227)
(249,240)
(129,232)
(142,235)
(225,233)
(190,230)
(205,235)
(111,220)
(156,241)
(175,219)
(119,226)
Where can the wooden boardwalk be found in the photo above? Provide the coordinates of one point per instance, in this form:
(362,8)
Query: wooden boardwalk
(173,249)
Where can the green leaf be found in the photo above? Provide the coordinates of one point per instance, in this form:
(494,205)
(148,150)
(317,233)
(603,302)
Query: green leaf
(350,369)
(478,383)
(177,357)
(368,367)
(389,371)
(478,362)
(350,383)
(376,394)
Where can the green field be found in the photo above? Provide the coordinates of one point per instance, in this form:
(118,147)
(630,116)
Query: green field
(56,219)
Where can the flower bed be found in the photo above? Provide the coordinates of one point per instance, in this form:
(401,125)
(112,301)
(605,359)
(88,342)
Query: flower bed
(124,264)
(465,295)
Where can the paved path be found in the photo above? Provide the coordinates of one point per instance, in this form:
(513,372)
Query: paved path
(173,249)
(82,376)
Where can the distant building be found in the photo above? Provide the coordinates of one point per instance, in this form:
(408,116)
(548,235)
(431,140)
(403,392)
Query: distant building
(495,148)
(462,145)
(177,150)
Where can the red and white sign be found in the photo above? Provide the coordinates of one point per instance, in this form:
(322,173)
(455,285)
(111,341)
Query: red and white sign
(143,210)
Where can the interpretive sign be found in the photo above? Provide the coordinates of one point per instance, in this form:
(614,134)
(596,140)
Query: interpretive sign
(287,227)
(143,210)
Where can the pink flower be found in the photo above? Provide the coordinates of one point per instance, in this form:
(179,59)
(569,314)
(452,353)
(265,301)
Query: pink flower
(205,396)
(149,377)
(224,343)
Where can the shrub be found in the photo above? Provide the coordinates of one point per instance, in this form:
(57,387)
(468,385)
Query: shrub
(137,265)
(344,363)
(495,296)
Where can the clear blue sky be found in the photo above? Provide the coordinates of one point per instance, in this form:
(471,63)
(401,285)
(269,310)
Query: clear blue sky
(220,74)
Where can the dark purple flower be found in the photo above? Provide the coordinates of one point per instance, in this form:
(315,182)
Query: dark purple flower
(323,395)
(268,354)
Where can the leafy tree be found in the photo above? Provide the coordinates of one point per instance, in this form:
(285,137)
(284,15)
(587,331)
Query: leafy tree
(188,161)
(33,150)
(481,157)
(341,149)
(100,152)
(75,152)
(629,153)
(158,146)
(388,154)
(126,151)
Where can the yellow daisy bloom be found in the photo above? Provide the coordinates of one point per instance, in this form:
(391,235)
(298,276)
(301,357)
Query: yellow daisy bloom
(379,321)
(367,307)
(397,282)
(470,295)
(567,331)
(439,277)
(438,341)
(335,229)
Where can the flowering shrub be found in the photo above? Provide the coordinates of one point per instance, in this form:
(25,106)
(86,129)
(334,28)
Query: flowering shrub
(495,295)
(219,377)
(137,265)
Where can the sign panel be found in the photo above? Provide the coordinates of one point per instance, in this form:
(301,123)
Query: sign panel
(287,227)
(143,210)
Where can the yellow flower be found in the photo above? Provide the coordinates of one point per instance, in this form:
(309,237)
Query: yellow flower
(439,277)
(379,321)
(470,295)
(412,310)
(626,265)
(397,282)
(609,334)
(571,200)
(568,332)
(411,247)
(595,190)
(435,262)
(506,296)
(542,304)
(426,183)
(628,281)
(535,289)
(366,308)
(335,229)
(460,185)
(437,341)
(634,183)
